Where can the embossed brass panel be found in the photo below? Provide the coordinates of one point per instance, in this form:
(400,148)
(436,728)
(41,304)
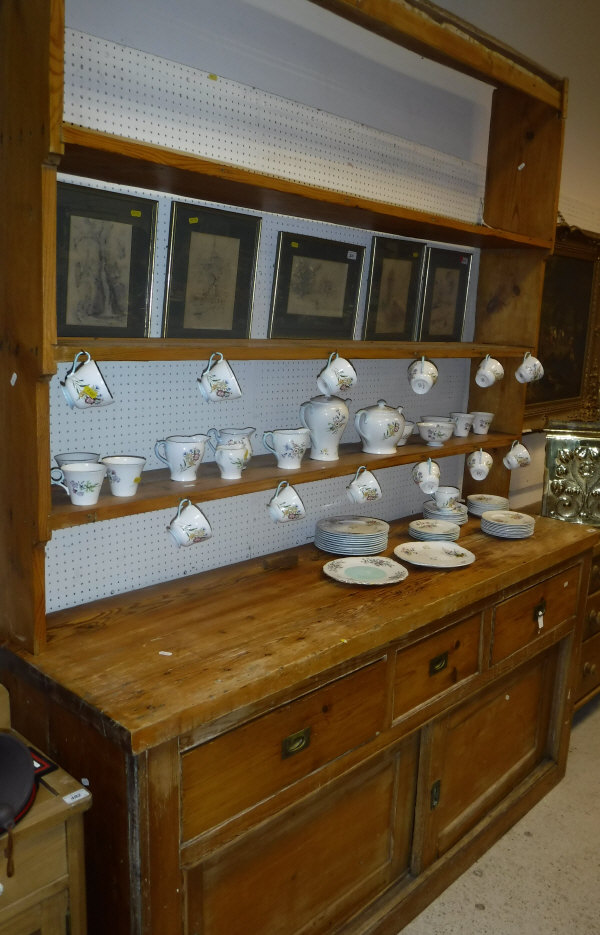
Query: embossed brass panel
(572,472)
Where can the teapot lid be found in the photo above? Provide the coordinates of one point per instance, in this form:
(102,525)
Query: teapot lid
(325,400)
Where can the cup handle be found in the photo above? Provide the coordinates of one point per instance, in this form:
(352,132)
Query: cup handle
(213,443)
(76,359)
(186,500)
(59,479)
(423,364)
(281,485)
(333,356)
(160,456)
(302,419)
(359,471)
(212,358)
(269,447)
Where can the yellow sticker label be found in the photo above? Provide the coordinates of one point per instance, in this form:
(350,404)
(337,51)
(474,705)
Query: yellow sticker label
(213,77)
(135,214)
(294,244)
(192,220)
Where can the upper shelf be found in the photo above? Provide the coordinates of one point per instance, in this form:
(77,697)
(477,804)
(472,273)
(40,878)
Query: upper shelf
(115,159)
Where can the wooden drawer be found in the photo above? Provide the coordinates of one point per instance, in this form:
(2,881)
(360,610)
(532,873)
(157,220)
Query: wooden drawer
(591,624)
(516,619)
(40,858)
(594,584)
(589,672)
(221,778)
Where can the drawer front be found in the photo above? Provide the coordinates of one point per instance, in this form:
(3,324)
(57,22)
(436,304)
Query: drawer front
(238,769)
(39,859)
(591,624)
(589,672)
(436,664)
(594,584)
(516,619)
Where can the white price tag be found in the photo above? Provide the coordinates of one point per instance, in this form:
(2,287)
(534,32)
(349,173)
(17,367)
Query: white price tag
(75,796)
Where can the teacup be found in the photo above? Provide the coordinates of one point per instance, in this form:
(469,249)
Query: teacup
(84,385)
(489,372)
(479,464)
(69,457)
(446,497)
(182,454)
(364,487)
(82,480)
(190,525)
(285,504)
(288,446)
(482,422)
(529,370)
(462,423)
(231,459)
(422,375)
(337,375)
(218,381)
(427,475)
(517,457)
(124,473)
(406,433)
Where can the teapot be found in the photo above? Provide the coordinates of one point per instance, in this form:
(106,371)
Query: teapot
(326,418)
(380,427)
(218,437)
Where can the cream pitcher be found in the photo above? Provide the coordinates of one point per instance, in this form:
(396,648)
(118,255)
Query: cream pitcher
(326,418)
(380,427)
(218,437)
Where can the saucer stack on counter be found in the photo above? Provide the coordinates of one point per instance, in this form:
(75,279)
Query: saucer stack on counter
(478,503)
(507,524)
(454,514)
(352,535)
(426,530)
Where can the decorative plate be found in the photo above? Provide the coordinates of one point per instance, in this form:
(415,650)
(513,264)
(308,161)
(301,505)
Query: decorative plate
(508,518)
(355,525)
(433,527)
(365,570)
(436,554)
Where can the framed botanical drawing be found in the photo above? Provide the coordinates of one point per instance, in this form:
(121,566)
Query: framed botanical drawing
(104,259)
(568,343)
(315,288)
(447,275)
(393,293)
(210,278)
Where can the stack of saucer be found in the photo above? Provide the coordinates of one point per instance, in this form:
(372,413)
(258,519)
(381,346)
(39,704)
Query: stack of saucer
(454,514)
(478,503)
(507,524)
(428,529)
(351,535)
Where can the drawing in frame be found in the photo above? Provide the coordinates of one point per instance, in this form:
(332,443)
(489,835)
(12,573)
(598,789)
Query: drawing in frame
(446,283)
(393,292)
(315,287)
(211,270)
(104,262)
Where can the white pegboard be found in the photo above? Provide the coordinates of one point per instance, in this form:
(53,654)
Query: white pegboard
(116,89)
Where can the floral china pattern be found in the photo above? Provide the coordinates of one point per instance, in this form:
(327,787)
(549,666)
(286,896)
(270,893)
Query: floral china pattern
(337,422)
(80,488)
(293,449)
(219,386)
(91,395)
(190,459)
(392,428)
(195,533)
(344,380)
(370,493)
(291,511)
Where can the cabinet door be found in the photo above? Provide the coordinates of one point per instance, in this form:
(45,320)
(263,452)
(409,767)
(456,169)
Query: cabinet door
(484,749)
(313,866)
(47,917)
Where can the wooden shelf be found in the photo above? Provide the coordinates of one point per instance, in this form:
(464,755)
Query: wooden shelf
(267,349)
(116,159)
(158,492)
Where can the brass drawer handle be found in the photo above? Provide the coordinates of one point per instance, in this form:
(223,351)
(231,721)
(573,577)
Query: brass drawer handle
(295,743)
(438,663)
(593,621)
(589,668)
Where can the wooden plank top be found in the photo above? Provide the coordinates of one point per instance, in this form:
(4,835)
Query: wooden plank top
(152,664)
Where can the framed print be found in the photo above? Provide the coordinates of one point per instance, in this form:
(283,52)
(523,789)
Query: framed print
(104,258)
(444,294)
(394,284)
(210,279)
(315,288)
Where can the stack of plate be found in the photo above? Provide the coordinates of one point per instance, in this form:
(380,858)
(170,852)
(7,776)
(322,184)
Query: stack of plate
(455,514)
(352,535)
(478,503)
(428,529)
(507,524)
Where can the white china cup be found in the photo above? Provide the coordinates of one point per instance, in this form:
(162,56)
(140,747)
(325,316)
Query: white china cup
(482,422)
(489,372)
(529,370)
(182,454)
(231,459)
(84,386)
(124,473)
(463,422)
(364,487)
(406,433)
(446,497)
(231,436)
(288,445)
(285,504)
(435,433)
(422,375)
(427,475)
(479,464)
(69,457)
(517,457)
(190,525)
(218,381)
(337,376)
(82,480)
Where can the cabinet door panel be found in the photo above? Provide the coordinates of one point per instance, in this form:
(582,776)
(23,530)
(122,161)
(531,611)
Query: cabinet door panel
(589,667)
(302,872)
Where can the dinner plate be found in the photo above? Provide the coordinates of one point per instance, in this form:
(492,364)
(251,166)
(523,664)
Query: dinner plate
(353,525)
(365,570)
(428,529)
(478,503)
(434,554)
(508,518)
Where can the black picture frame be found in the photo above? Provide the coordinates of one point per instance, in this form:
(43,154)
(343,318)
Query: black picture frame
(104,262)
(394,288)
(446,283)
(315,287)
(211,272)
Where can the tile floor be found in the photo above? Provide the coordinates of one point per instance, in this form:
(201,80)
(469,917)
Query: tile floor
(543,876)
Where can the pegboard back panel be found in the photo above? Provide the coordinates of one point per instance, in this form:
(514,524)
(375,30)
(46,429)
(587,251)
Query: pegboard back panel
(116,89)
